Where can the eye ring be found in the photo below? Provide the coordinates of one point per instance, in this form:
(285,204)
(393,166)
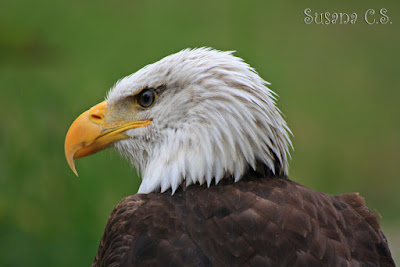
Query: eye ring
(146,98)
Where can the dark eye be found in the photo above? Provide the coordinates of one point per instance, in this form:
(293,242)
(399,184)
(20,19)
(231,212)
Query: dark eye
(146,98)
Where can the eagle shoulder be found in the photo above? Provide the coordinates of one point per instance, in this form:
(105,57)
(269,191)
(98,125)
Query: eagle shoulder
(372,244)
(116,240)
(146,229)
(254,222)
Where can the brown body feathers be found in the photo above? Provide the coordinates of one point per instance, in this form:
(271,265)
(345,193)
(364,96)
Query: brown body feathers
(254,222)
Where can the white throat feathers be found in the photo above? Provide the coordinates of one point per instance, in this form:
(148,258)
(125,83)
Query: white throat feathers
(214,117)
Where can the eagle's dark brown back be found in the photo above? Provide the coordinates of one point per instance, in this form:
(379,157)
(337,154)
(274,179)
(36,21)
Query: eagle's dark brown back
(254,222)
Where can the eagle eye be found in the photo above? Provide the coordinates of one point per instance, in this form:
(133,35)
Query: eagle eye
(146,98)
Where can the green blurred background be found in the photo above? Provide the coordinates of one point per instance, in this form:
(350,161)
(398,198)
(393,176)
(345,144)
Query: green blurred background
(338,87)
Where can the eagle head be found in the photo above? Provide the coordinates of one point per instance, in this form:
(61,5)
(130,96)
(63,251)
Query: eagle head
(193,117)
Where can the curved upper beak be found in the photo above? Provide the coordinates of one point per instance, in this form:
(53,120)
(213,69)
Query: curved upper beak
(90,133)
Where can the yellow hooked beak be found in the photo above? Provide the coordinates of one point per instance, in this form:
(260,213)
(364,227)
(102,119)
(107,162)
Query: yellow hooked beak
(90,133)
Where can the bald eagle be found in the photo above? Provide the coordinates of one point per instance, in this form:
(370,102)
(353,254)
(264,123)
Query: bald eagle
(212,148)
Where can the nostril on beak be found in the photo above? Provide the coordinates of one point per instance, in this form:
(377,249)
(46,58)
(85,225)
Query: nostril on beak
(97,113)
(95,117)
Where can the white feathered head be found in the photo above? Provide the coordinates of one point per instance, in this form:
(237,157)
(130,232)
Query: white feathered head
(193,117)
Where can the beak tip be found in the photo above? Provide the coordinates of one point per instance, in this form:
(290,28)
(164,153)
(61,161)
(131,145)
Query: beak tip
(71,164)
(76,173)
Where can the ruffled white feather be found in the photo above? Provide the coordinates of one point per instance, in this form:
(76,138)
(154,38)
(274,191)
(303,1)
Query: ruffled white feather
(214,118)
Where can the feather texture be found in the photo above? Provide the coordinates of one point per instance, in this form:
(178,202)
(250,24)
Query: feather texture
(258,221)
(215,117)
